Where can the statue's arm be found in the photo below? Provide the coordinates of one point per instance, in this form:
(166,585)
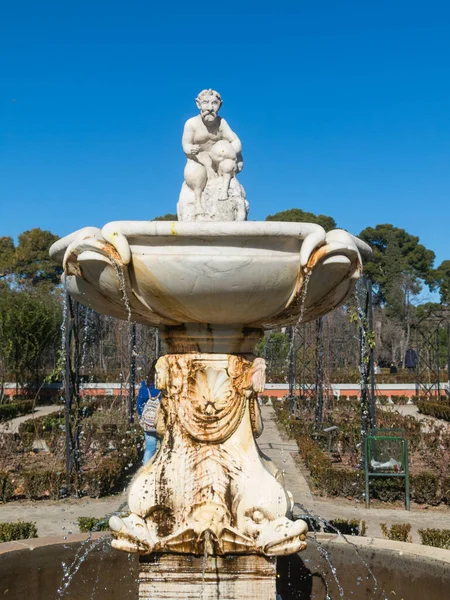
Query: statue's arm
(229,135)
(187,141)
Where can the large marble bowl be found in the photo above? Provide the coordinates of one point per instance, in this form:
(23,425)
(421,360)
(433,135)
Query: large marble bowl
(211,281)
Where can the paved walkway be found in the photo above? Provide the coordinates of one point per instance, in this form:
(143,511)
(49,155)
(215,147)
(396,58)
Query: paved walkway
(12,426)
(60,517)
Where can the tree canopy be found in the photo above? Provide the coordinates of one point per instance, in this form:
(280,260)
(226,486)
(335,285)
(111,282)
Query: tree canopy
(399,264)
(30,330)
(443,281)
(7,256)
(300,216)
(29,262)
(167,217)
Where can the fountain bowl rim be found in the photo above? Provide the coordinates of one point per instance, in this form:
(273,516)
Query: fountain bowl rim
(205,230)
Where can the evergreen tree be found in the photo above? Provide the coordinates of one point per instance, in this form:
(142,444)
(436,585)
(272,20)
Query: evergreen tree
(300,216)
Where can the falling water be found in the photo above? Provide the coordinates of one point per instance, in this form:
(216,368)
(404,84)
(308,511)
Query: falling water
(81,555)
(206,542)
(363,366)
(121,278)
(63,353)
(323,552)
(71,570)
(321,521)
(84,345)
(303,296)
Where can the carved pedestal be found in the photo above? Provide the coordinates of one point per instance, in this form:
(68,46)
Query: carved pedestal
(175,576)
(209,491)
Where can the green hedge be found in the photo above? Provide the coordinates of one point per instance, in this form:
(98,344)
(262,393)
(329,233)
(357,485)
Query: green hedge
(346,527)
(439,538)
(21,530)
(87,524)
(382,399)
(445,489)
(399,532)
(401,399)
(434,409)
(43,484)
(16,409)
(6,488)
(425,488)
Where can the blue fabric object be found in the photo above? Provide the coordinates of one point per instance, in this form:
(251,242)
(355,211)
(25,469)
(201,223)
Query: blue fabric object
(151,440)
(154,392)
(142,398)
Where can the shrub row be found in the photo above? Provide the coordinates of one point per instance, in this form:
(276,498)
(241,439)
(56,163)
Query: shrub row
(103,480)
(439,538)
(21,530)
(399,532)
(16,409)
(434,409)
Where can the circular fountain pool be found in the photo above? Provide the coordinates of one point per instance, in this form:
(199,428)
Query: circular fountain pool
(81,569)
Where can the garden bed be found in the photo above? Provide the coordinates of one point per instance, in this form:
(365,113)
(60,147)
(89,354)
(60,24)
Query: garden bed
(32,462)
(341,473)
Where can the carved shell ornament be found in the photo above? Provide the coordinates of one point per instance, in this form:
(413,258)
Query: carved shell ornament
(212,408)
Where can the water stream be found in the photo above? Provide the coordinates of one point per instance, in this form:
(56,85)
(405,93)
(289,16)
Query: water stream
(206,541)
(121,278)
(86,547)
(82,553)
(63,352)
(84,344)
(321,521)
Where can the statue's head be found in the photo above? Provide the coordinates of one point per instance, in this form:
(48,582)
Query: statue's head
(208,102)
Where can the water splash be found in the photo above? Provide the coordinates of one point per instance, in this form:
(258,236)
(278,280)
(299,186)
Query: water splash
(321,521)
(70,571)
(323,552)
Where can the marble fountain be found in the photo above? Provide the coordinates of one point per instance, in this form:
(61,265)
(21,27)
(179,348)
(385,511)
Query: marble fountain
(209,516)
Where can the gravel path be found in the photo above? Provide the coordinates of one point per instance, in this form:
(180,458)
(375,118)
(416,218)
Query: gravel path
(411,410)
(12,426)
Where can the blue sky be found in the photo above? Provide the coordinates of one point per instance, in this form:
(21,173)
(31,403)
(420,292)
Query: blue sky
(343,109)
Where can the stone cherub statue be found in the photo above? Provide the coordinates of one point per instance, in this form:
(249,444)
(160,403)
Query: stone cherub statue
(210,191)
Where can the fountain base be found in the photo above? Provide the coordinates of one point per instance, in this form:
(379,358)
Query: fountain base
(209,490)
(172,576)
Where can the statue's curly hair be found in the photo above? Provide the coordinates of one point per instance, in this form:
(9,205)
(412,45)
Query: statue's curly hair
(209,92)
